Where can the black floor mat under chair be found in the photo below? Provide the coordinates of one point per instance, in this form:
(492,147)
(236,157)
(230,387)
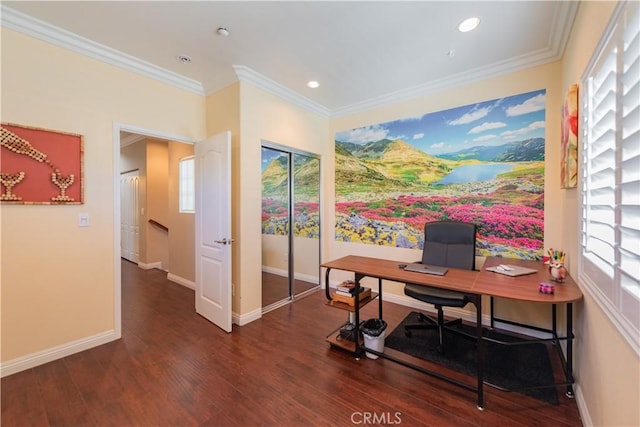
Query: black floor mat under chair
(506,366)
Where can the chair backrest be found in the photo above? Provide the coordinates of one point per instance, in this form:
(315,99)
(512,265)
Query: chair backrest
(450,244)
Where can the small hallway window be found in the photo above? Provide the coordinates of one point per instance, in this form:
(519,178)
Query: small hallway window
(187,182)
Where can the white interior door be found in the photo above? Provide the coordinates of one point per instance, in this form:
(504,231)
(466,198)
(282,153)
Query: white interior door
(129,216)
(213,229)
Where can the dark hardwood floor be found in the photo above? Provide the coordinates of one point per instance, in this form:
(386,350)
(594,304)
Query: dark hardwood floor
(174,368)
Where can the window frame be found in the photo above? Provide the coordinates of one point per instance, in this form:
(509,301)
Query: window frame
(609,289)
(181,186)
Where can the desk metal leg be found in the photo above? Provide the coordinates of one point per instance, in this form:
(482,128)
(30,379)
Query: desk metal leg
(380,299)
(570,350)
(358,334)
(480,351)
(327,291)
(491,307)
(554,320)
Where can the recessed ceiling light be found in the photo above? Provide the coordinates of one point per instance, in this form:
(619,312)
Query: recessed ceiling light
(313,84)
(222,31)
(184,59)
(469,24)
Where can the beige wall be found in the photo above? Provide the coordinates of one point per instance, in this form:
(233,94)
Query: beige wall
(607,367)
(181,225)
(275,252)
(157,203)
(252,116)
(265,117)
(306,255)
(58,279)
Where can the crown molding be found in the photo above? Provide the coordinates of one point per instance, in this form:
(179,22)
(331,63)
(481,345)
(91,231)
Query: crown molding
(28,25)
(246,74)
(564,17)
(561,28)
(455,80)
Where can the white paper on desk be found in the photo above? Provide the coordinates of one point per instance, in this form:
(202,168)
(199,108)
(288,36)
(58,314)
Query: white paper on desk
(516,270)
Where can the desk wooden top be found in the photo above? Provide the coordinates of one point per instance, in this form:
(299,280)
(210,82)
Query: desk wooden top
(455,279)
(521,288)
(524,288)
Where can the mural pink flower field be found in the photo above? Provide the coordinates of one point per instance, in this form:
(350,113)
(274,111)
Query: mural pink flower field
(503,229)
(275,218)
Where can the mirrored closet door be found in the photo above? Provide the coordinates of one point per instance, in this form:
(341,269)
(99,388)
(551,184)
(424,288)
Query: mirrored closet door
(290,224)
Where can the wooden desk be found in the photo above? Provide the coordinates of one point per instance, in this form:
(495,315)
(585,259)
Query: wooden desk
(525,288)
(456,280)
(474,284)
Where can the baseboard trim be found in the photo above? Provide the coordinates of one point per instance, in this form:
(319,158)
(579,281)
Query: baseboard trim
(243,319)
(181,281)
(582,406)
(298,276)
(54,353)
(150,265)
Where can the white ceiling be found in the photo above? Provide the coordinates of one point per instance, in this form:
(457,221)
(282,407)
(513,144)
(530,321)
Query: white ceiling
(361,52)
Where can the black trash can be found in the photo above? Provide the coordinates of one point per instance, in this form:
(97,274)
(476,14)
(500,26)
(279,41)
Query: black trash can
(373,331)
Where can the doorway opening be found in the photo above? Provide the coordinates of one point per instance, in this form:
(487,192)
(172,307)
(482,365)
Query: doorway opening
(152,225)
(123,136)
(290,224)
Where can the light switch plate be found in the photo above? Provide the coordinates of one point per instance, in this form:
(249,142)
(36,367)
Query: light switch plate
(83,219)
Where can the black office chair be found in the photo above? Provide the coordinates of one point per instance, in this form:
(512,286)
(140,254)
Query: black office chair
(446,244)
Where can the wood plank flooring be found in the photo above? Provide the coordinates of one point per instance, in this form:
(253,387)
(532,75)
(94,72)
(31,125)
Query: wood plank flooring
(174,368)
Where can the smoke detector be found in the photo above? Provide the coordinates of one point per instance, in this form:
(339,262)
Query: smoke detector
(222,31)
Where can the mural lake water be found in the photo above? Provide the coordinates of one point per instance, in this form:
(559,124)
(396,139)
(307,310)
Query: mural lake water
(471,173)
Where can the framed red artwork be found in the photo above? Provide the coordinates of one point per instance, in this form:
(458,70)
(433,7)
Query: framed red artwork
(569,141)
(40,166)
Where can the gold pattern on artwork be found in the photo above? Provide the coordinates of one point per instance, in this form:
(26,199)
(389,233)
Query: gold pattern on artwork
(19,145)
(13,142)
(63,182)
(9,180)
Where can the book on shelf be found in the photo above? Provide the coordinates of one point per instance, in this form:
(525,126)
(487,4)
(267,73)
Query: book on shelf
(351,300)
(346,286)
(350,292)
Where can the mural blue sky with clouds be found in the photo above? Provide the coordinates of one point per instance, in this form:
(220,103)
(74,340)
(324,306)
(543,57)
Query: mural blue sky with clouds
(489,123)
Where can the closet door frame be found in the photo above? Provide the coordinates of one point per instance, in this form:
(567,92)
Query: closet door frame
(291,152)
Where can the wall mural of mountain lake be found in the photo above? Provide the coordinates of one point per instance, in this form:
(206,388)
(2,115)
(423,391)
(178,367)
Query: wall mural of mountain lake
(481,163)
(275,194)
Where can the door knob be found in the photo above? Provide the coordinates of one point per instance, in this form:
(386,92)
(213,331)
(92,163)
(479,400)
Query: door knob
(225,241)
